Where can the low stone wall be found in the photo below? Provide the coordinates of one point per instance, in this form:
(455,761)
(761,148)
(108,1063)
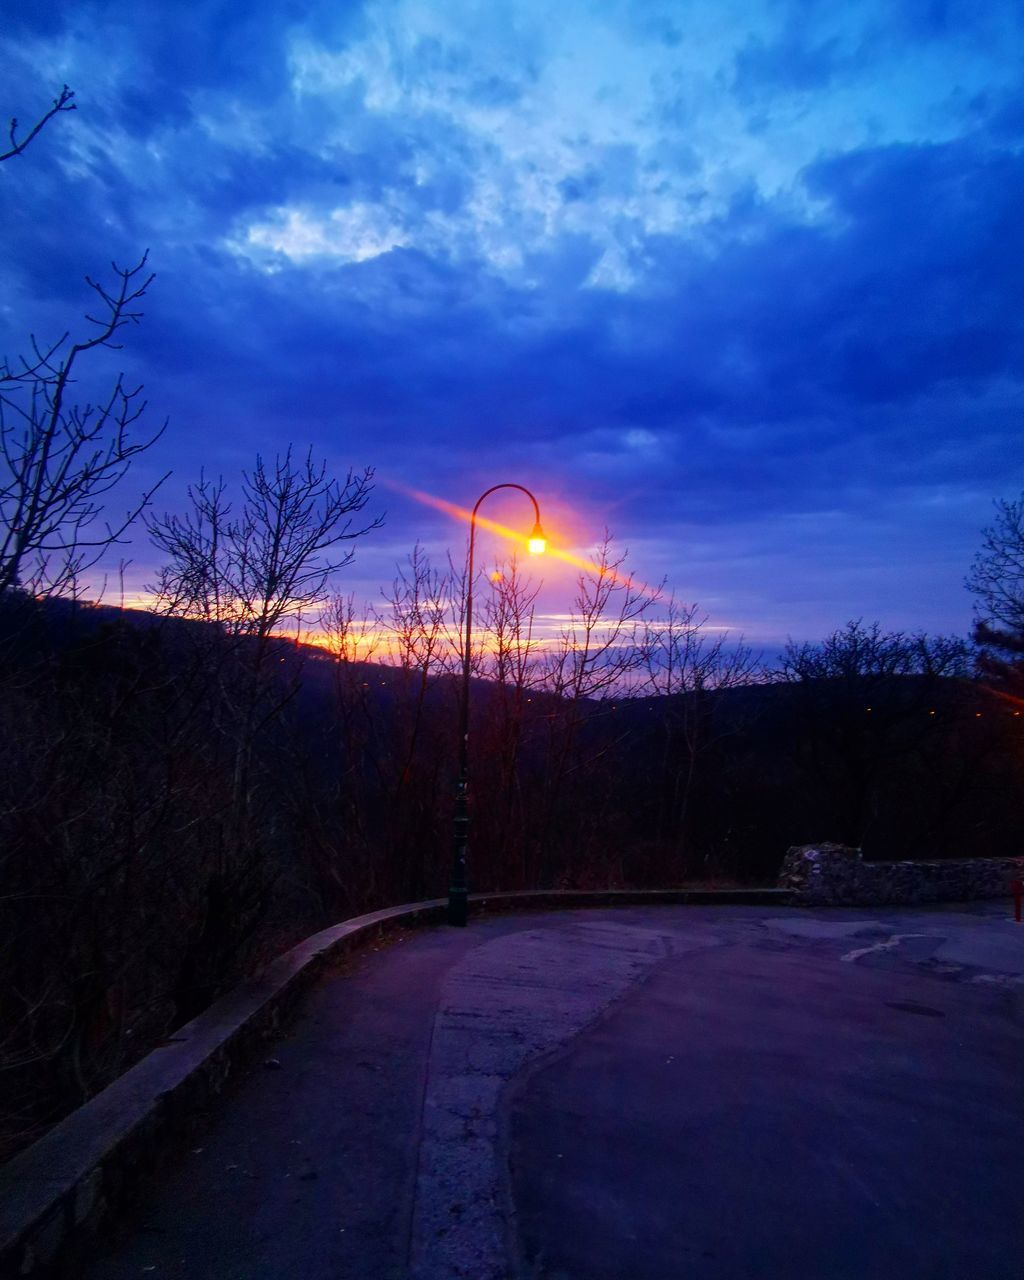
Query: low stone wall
(834,874)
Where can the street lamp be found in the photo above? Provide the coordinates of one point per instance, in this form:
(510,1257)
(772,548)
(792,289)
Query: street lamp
(458,892)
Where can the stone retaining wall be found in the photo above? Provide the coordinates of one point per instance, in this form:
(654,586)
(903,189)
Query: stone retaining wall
(834,874)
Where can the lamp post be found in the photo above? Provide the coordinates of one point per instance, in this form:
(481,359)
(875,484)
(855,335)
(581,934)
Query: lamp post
(458,892)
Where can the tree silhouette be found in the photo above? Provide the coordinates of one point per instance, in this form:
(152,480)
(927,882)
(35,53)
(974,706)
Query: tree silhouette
(59,460)
(997,580)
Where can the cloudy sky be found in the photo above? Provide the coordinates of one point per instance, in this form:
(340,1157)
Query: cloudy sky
(741,282)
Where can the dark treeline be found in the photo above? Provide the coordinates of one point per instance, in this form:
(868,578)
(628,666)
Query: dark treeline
(182,799)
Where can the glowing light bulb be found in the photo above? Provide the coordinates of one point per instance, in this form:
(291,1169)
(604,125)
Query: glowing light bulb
(537,543)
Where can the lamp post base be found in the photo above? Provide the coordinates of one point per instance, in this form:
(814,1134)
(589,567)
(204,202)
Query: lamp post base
(458,907)
(458,891)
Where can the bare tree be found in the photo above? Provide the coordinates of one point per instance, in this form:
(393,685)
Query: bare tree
(598,659)
(687,669)
(273,561)
(419,618)
(58,461)
(866,703)
(997,574)
(509,608)
(997,580)
(249,572)
(507,722)
(601,647)
(348,637)
(862,657)
(85,804)
(63,102)
(421,626)
(683,656)
(333,807)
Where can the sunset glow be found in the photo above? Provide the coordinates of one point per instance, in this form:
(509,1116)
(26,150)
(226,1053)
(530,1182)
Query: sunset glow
(699,271)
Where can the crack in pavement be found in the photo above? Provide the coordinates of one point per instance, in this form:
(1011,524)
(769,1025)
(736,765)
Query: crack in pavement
(889,945)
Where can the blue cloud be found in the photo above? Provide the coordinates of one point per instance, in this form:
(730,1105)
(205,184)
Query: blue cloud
(788,63)
(426,254)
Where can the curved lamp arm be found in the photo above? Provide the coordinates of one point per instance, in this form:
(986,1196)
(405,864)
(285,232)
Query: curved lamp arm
(536,543)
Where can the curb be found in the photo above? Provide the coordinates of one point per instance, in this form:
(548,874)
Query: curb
(55,1195)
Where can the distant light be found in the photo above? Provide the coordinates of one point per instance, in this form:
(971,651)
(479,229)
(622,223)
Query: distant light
(538,543)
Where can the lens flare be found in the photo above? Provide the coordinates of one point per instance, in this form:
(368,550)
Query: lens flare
(536,543)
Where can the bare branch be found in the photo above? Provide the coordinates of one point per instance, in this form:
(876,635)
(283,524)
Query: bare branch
(63,102)
(58,461)
(603,645)
(271,562)
(997,574)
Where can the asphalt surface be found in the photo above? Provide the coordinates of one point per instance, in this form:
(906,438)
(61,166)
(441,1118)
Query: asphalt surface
(635,1094)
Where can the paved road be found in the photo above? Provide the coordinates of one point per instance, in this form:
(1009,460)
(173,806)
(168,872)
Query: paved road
(637,1094)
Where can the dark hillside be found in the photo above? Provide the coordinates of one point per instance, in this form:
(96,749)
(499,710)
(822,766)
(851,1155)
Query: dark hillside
(177,804)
